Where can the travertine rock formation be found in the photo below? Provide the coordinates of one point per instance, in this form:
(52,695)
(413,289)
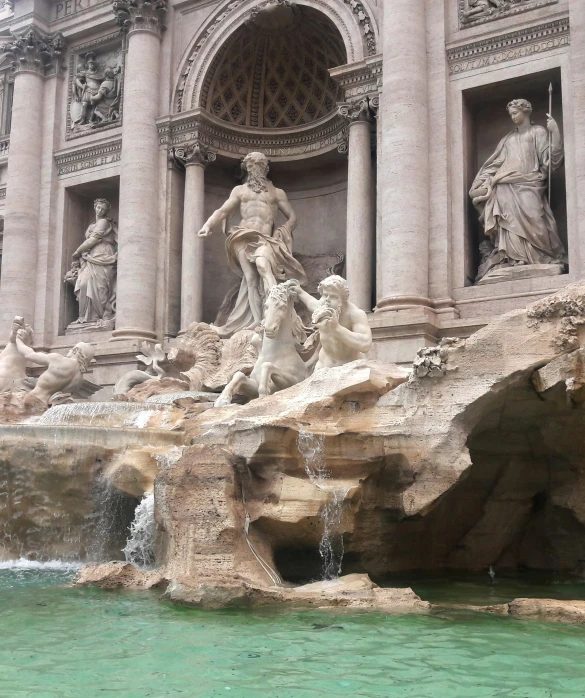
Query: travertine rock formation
(476,467)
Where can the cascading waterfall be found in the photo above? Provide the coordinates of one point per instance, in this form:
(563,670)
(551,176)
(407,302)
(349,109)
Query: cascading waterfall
(139,549)
(312,449)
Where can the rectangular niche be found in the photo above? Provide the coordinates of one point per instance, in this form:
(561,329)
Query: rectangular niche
(97,68)
(78,215)
(486,121)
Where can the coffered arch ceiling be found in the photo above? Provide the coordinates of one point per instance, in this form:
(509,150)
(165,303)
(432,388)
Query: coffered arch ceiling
(273,72)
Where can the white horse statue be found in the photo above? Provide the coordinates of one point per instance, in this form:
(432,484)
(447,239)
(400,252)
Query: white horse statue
(279,364)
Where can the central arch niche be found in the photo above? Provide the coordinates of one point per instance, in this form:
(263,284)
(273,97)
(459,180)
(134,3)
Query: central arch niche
(273,71)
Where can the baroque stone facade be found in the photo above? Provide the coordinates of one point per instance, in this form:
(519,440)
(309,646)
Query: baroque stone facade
(378,118)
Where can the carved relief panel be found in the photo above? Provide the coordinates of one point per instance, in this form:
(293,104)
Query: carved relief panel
(96,82)
(473,12)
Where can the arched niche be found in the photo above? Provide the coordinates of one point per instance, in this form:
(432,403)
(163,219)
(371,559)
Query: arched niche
(352,20)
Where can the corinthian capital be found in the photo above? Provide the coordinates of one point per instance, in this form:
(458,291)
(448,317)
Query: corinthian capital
(34,52)
(357,111)
(194,154)
(140,15)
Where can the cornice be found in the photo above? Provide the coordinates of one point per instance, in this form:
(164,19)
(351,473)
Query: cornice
(509,46)
(278,144)
(80,159)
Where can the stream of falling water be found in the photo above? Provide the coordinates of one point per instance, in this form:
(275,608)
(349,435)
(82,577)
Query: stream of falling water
(312,449)
(139,549)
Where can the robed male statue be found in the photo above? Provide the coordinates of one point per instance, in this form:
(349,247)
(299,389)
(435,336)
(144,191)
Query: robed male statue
(257,250)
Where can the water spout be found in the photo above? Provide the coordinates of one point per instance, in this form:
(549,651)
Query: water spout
(139,549)
(331,549)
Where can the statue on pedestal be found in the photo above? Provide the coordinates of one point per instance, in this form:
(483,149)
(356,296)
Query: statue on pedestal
(257,251)
(510,192)
(93,273)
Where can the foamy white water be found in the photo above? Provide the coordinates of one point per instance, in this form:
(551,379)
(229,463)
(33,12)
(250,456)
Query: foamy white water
(50,565)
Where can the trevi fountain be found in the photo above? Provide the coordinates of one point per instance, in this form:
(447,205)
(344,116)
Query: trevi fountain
(292,348)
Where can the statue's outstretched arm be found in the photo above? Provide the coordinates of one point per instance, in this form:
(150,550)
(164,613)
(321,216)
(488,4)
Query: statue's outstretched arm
(222,213)
(30,354)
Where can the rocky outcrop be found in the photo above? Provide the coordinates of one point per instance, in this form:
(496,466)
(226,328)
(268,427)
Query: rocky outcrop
(463,464)
(119,575)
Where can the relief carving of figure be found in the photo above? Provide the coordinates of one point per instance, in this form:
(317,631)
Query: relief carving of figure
(510,193)
(257,250)
(94,270)
(483,8)
(96,94)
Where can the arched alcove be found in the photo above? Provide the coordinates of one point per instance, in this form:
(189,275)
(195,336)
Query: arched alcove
(274,73)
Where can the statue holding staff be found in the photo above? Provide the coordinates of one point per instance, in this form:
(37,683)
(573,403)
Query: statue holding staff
(510,193)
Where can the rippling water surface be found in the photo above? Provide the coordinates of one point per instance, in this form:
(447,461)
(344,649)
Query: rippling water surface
(57,642)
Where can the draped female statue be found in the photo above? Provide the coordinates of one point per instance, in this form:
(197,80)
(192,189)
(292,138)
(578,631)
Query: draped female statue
(510,192)
(94,271)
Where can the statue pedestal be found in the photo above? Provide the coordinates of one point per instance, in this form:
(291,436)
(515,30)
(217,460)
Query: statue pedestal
(81,327)
(527,271)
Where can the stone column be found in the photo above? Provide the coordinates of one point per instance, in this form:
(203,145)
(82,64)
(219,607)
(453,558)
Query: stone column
(139,227)
(32,55)
(360,214)
(195,157)
(403,169)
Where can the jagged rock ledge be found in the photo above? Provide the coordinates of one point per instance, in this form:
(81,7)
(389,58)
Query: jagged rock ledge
(355,591)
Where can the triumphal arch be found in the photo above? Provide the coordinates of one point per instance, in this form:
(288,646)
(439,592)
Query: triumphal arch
(432,152)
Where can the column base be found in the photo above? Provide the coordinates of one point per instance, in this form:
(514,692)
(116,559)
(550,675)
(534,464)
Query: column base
(402,303)
(133,333)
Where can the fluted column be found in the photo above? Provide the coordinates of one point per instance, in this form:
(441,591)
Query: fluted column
(403,168)
(195,158)
(360,215)
(32,55)
(139,206)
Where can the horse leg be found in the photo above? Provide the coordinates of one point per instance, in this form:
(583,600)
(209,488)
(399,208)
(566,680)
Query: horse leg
(283,379)
(266,372)
(239,383)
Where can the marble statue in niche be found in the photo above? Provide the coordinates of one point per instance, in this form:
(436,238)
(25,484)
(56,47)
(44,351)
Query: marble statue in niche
(510,193)
(257,250)
(93,273)
(96,92)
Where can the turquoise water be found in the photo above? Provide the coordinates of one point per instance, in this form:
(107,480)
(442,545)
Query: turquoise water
(58,642)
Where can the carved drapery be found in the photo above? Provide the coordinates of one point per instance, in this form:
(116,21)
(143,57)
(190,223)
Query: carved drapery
(34,52)
(140,15)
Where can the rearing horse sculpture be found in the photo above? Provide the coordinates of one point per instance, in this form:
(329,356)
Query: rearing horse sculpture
(278,365)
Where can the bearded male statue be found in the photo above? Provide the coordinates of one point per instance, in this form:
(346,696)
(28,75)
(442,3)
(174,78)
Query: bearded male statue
(257,250)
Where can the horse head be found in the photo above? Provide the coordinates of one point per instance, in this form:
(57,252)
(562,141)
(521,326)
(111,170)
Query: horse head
(277,309)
